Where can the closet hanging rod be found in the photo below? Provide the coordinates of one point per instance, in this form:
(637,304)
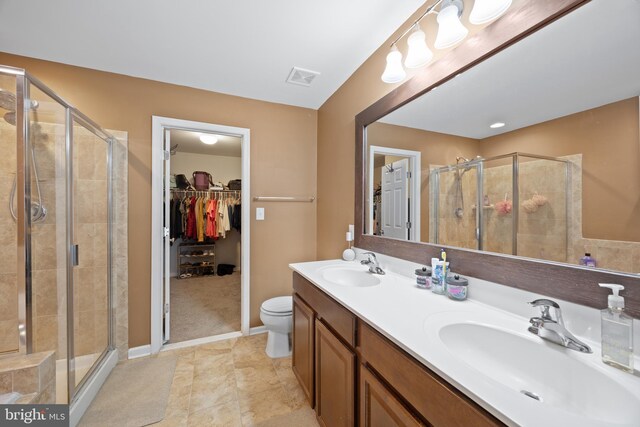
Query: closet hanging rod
(283,199)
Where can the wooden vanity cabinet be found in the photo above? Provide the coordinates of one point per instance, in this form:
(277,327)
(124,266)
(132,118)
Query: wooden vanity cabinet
(331,347)
(335,380)
(324,359)
(303,345)
(437,402)
(379,407)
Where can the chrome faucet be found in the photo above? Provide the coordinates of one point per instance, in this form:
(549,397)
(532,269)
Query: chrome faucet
(372,262)
(553,330)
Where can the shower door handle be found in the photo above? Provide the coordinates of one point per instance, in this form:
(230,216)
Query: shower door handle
(75,259)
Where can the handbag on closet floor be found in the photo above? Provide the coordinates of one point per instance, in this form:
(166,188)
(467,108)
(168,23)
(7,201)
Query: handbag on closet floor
(201,180)
(224,269)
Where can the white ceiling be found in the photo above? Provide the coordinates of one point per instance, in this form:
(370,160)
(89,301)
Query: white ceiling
(189,142)
(243,47)
(587,59)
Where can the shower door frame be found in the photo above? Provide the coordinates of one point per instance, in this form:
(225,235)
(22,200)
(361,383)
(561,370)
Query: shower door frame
(80,396)
(74,116)
(435,207)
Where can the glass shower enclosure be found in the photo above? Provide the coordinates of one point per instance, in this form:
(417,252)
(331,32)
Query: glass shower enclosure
(56,222)
(515,204)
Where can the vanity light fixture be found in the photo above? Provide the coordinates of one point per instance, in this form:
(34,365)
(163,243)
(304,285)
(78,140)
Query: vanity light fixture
(487,10)
(419,53)
(393,72)
(450,32)
(208,139)
(497,125)
(450,29)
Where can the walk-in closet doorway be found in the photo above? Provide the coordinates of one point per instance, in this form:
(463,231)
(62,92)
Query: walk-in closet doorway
(200,233)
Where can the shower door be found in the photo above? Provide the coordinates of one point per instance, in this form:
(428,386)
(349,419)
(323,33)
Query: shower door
(89,252)
(455,196)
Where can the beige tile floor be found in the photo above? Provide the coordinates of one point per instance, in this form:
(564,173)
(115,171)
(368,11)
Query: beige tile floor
(204,306)
(232,383)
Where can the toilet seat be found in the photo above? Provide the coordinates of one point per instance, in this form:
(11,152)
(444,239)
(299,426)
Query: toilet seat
(279,306)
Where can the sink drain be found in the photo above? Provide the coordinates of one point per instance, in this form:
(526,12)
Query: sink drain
(531,395)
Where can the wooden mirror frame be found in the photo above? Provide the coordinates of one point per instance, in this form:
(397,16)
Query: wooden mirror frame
(570,283)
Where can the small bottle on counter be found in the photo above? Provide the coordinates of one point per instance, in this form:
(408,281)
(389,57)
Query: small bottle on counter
(457,287)
(423,278)
(437,285)
(616,331)
(587,260)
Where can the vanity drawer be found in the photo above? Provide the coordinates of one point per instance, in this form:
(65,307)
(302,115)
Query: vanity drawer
(341,320)
(432,397)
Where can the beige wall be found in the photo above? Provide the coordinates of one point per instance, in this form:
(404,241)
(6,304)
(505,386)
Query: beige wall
(283,149)
(336,148)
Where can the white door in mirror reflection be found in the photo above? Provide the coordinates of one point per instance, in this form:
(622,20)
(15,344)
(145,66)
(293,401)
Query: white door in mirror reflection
(394,200)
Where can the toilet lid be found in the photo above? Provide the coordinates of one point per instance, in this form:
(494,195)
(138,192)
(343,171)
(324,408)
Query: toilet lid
(278,305)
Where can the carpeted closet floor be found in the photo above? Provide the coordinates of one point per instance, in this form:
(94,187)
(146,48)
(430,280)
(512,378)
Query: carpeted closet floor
(204,306)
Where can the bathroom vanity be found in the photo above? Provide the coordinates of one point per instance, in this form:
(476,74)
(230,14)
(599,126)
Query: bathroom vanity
(375,350)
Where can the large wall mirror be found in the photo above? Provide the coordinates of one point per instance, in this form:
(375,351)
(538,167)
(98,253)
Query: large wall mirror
(520,147)
(533,152)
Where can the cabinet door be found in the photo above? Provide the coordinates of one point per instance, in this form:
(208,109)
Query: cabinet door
(303,341)
(335,380)
(379,407)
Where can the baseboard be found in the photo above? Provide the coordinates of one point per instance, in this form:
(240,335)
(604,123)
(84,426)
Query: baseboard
(200,341)
(258,330)
(142,351)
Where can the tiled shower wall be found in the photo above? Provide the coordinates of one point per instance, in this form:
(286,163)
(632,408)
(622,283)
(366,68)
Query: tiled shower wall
(48,243)
(610,254)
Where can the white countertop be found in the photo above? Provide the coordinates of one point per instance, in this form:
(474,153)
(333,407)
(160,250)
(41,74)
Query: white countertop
(408,316)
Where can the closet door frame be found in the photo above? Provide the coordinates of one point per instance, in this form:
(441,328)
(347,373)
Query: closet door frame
(158,153)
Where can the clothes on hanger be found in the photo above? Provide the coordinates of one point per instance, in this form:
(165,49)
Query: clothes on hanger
(212,209)
(204,216)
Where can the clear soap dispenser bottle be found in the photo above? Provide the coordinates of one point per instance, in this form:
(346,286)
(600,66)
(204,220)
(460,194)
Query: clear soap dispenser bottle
(617,331)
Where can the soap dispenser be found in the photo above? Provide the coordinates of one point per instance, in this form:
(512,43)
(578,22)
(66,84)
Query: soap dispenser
(617,331)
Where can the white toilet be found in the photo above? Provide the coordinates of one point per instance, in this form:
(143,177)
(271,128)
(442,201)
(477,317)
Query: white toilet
(277,315)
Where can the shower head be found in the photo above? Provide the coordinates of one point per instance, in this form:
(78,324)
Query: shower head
(7,100)
(10,117)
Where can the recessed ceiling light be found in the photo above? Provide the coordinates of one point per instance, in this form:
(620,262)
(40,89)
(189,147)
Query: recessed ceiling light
(208,139)
(497,125)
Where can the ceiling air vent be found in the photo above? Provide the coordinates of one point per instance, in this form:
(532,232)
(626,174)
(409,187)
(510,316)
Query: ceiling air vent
(302,77)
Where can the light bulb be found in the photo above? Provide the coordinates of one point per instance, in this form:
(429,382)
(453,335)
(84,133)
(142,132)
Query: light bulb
(450,29)
(487,10)
(208,139)
(419,53)
(393,72)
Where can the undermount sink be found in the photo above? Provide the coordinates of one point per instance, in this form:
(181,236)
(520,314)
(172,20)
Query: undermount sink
(541,371)
(350,276)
